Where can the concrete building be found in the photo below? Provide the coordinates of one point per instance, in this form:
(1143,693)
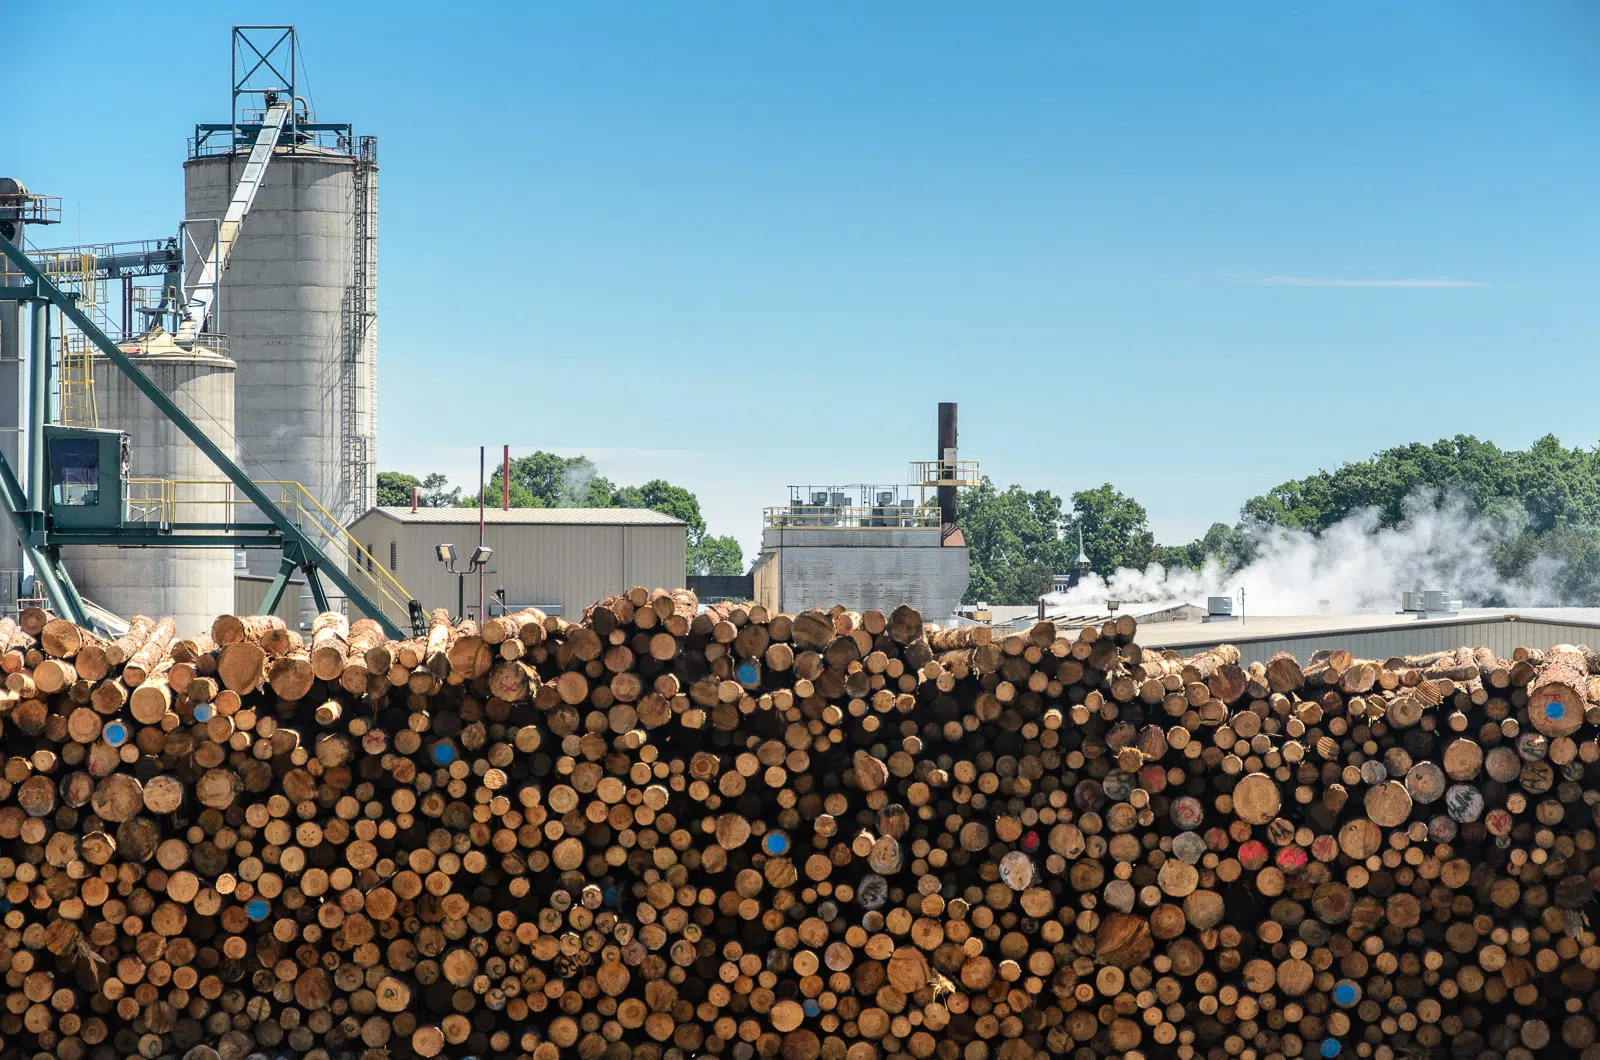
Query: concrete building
(894,545)
(860,566)
(558,559)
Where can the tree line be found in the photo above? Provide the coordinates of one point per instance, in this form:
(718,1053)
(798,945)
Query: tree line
(547,480)
(1545,500)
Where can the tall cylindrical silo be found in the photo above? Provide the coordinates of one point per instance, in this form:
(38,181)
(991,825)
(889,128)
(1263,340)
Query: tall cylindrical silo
(193,585)
(298,305)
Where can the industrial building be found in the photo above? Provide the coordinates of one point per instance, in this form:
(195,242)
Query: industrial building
(560,560)
(871,546)
(1382,636)
(258,319)
(1190,627)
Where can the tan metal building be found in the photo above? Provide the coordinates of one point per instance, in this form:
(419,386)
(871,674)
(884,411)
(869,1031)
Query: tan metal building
(250,590)
(558,559)
(1380,636)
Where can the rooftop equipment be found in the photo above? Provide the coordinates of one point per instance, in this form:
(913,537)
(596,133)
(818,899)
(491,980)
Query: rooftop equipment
(87,476)
(244,194)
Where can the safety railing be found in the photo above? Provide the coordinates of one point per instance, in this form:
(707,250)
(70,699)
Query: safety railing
(959,473)
(169,501)
(849,517)
(30,208)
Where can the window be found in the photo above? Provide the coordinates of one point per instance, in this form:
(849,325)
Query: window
(366,559)
(75,472)
(394,557)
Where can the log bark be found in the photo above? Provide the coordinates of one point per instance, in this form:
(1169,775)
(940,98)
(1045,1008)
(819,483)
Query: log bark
(1558,695)
(840,834)
(150,654)
(329,645)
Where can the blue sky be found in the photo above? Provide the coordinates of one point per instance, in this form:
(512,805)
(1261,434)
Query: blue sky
(1190,249)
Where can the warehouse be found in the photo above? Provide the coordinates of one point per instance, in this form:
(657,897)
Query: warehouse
(1382,636)
(558,559)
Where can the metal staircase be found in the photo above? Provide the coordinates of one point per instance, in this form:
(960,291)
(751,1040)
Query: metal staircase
(204,288)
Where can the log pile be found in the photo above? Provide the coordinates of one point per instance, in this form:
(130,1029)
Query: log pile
(665,832)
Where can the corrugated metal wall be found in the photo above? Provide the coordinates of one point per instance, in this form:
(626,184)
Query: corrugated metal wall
(767,574)
(1500,637)
(571,565)
(250,590)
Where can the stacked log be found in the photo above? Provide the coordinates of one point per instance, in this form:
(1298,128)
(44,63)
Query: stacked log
(666,831)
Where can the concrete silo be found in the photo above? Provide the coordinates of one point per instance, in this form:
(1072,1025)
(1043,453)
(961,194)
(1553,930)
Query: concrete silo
(193,585)
(298,304)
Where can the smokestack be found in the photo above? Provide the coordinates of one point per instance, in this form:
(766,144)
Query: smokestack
(414,492)
(505,479)
(947,457)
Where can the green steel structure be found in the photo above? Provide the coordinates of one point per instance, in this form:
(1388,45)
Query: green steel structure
(76,479)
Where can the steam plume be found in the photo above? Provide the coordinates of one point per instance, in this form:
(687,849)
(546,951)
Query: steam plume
(1354,566)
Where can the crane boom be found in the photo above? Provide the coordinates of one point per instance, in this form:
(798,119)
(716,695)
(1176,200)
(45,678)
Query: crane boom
(199,305)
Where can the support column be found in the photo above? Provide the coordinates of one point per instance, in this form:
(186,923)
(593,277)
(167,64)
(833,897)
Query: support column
(13,414)
(38,402)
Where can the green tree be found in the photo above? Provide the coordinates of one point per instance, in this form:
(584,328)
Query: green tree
(435,495)
(560,481)
(716,555)
(1116,529)
(1547,499)
(662,496)
(394,489)
(1014,542)
(597,493)
(494,495)
(1222,542)
(547,480)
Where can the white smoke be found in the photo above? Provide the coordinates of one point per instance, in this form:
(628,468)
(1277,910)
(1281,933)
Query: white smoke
(575,482)
(1353,566)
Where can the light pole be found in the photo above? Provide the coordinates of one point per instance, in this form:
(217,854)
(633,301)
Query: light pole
(447,556)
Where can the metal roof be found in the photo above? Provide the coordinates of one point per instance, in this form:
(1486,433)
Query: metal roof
(528,516)
(1277,627)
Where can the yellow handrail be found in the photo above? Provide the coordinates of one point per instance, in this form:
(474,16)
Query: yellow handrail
(157,500)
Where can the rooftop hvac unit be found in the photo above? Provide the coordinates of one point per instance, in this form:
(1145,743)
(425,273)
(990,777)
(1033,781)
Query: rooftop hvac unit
(839,500)
(1435,602)
(886,497)
(812,514)
(1219,609)
(1413,601)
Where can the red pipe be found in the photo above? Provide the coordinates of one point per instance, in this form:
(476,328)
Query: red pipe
(414,492)
(481,492)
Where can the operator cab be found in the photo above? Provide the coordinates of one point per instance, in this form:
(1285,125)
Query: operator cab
(87,473)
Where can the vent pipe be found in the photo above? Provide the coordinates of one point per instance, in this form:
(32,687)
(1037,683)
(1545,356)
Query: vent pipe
(947,456)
